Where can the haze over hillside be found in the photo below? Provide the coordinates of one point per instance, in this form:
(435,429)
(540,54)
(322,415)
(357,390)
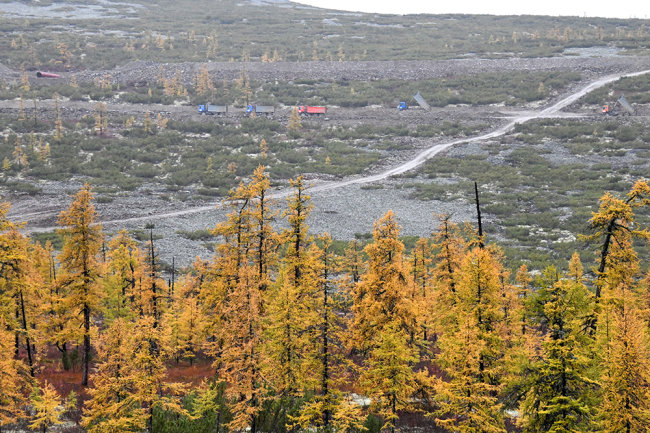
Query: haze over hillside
(579,8)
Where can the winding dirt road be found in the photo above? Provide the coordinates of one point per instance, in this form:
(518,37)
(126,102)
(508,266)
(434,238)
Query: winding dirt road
(413,163)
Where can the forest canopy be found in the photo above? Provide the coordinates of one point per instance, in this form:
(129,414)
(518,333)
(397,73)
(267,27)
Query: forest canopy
(280,333)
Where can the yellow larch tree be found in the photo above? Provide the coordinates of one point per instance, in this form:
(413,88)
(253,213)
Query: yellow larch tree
(237,325)
(327,410)
(613,222)
(351,266)
(203,83)
(151,350)
(186,317)
(449,248)
(19,287)
(294,121)
(265,240)
(558,382)
(113,406)
(56,326)
(101,119)
(622,340)
(291,301)
(466,403)
(131,379)
(46,404)
(387,376)
(420,289)
(124,273)
(469,398)
(80,266)
(383,324)
(14,380)
(626,374)
(381,296)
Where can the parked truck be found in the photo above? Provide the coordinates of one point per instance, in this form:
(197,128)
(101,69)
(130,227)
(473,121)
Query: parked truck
(211,110)
(403,106)
(260,109)
(307,110)
(611,110)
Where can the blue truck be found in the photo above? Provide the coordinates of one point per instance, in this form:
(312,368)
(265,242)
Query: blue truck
(211,110)
(260,109)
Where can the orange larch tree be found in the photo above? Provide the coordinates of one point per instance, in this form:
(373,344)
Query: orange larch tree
(80,266)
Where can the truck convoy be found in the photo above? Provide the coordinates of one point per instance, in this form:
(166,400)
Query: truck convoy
(211,110)
(307,110)
(267,110)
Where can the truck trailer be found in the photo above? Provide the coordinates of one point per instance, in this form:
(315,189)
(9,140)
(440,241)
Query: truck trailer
(307,110)
(211,110)
(260,109)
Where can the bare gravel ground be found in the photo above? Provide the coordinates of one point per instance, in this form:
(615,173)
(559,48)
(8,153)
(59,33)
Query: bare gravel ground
(140,72)
(342,212)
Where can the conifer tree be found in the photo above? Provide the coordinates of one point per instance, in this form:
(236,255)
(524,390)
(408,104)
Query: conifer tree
(204,84)
(101,119)
(14,380)
(524,282)
(294,121)
(328,410)
(46,403)
(80,266)
(384,324)
(131,381)
(351,266)
(186,319)
(420,290)
(381,296)
(113,405)
(623,344)
(151,350)
(467,403)
(626,374)
(614,222)
(56,326)
(16,282)
(388,377)
(472,350)
(235,291)
(265,239)
(292,306)
(558,387)
(450,248)
(124,274)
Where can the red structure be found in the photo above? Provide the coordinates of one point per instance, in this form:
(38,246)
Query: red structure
(40,74)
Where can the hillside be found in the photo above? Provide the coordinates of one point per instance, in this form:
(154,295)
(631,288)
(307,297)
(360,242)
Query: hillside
(130,59)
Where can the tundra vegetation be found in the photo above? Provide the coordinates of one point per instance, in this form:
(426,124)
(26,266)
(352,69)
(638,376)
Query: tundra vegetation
(191,31)
(122,151)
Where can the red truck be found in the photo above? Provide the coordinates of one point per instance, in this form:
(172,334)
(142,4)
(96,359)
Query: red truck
(307,110)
